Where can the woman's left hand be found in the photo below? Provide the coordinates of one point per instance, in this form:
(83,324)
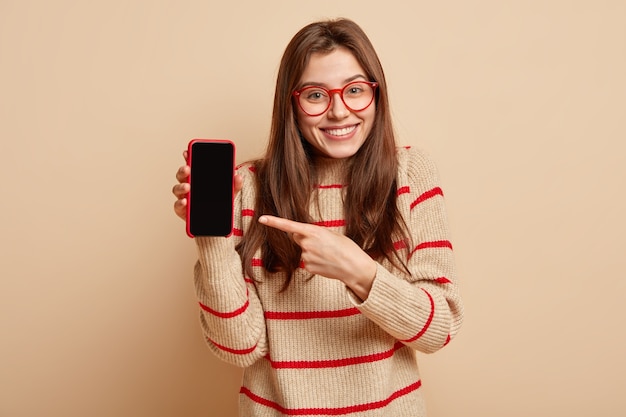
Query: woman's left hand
(329,254)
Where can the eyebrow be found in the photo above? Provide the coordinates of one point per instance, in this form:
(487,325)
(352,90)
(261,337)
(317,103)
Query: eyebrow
(346,81)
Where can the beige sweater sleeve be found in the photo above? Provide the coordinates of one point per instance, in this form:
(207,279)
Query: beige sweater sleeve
(230,310)
(423,310)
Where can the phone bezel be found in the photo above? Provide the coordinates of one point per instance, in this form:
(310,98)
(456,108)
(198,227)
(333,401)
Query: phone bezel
(190,194)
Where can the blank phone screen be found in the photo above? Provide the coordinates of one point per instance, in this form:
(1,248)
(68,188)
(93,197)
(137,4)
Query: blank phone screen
(211,194)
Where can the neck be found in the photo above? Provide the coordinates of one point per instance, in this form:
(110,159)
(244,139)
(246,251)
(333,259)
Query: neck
(331,169)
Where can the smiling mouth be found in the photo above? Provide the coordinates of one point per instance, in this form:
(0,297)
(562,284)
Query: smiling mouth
(340,132)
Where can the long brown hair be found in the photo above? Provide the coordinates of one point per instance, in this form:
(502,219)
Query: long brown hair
(285,175)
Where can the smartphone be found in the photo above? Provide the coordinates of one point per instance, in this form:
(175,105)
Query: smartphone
(210,199)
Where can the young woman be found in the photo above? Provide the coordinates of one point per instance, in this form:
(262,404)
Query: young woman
(340,267)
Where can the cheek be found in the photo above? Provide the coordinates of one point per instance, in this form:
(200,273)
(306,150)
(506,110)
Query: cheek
(368,120)
(306,126)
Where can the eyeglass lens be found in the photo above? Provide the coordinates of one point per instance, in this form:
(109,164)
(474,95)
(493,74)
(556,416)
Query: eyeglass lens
(316,100)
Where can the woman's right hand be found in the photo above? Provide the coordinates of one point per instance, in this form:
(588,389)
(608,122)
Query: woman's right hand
(181,189)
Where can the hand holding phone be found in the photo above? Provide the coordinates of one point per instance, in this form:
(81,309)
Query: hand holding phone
(210,200)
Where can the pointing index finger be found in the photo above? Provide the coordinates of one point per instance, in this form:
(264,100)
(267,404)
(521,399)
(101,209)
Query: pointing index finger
(285,225)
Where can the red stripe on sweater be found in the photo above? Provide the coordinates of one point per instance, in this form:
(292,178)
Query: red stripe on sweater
(229,314)
(327,186)
(308,315)
(400,244)
(433,244)
(237,232)
(404,190)
(257,262)
(330,411)
(231,350)
(225,315)
(443,280)
(247,212)
(427,324)
(331,223)
(425,196)
(336,363)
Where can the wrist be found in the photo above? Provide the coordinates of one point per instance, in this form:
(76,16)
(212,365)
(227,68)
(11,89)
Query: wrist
(361,284)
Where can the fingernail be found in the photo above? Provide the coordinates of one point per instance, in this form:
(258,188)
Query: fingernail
(263,219)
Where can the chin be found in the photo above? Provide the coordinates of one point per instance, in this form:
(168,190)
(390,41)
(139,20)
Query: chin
(343,153)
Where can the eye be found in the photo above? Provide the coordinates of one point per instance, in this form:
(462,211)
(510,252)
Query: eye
(355,89)
(315,94)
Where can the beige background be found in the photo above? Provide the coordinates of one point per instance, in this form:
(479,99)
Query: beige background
(521,103)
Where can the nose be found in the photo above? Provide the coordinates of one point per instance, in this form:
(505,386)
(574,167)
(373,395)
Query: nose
(338,109)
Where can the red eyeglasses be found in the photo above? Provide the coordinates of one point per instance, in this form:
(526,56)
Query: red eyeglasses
(316,100)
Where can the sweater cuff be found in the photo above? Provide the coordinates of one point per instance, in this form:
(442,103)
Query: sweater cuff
(356,300)
(406,312)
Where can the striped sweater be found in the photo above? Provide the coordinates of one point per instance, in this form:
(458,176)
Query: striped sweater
(316,349)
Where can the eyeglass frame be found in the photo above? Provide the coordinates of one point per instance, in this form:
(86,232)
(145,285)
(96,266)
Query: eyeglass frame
(331,93)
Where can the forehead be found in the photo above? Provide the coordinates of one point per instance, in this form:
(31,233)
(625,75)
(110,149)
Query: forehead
(332,69)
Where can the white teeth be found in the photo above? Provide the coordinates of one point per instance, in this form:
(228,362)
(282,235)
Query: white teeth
(340,132)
